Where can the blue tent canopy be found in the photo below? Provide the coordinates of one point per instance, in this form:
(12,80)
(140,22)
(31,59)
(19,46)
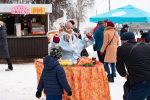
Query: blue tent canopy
(122,15)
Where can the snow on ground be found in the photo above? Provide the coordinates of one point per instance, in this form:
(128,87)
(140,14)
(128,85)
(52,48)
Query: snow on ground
(21,83)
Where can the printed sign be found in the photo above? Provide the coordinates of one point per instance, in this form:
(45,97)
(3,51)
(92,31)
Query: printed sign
(37,10)
(118,13)
(20,10)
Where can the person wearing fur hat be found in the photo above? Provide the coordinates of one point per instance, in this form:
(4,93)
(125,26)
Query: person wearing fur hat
(111,41)
(70,45)
(53,78)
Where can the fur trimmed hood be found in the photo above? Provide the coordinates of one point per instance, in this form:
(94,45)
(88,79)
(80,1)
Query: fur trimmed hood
(109,27)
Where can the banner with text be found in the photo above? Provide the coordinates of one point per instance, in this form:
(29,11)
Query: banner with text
(37,10)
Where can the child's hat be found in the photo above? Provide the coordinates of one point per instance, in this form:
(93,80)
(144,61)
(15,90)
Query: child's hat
(56,53)
(68,25)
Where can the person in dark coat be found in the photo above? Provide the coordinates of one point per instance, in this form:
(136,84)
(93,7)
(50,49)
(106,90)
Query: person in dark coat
(145,35)
(53,78)
(99,37)
(4,53)
(138,70)
(124,29)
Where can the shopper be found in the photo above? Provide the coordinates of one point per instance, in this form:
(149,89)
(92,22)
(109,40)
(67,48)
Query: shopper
(124,29)
(98,24)
(105,22)
(146,35)
(99,37)
(111,43)
(4,53)
(137,64)
(53,78)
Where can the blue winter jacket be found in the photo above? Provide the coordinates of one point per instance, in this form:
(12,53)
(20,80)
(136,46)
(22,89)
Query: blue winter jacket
(53,78)
(99,37)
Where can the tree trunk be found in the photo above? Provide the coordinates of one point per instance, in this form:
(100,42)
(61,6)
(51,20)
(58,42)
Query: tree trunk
(79,17)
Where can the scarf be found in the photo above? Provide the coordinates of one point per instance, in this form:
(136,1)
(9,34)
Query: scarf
(70,37)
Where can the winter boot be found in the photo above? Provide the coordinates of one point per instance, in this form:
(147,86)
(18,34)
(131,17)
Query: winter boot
(9,69)
(110,79)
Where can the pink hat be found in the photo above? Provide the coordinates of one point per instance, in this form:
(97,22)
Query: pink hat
(105,21)
(110,24)
(68,25)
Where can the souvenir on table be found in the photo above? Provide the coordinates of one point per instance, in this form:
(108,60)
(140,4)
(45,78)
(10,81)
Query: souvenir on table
(65,63)
(40,60)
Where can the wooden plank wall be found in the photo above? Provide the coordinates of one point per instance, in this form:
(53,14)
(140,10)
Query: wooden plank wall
(33,47)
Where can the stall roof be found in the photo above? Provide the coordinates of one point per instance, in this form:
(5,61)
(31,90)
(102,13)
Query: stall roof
(6,8)
(124,14)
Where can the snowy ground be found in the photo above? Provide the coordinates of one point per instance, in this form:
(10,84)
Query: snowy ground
(21,83)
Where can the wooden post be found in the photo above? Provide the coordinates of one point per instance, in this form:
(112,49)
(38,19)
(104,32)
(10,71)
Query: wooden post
(109,5)
(48,27)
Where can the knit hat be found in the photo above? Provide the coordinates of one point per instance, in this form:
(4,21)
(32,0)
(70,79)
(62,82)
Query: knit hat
(127,36)
(56,53)
(110,24)
(68,25)
(105,21)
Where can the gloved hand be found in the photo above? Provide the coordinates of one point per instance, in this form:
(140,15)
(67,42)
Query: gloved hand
(101,53)
(94,48)
(38,94)
(70,93)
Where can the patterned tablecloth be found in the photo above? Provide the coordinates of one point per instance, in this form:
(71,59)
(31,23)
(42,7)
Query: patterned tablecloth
(87,83)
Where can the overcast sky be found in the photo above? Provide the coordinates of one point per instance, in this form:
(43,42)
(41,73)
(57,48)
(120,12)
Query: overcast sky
(103,5)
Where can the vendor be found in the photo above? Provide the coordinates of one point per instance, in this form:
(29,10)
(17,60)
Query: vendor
(70,44)
(25,28)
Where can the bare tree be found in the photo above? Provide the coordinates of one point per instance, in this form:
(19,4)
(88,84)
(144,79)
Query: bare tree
(5,1)
(83,7)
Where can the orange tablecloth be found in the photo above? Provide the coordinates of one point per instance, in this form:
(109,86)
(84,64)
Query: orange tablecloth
(87,83)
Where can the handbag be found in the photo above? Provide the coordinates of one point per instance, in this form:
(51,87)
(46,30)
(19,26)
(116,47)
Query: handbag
(104,53)
(84,53)
(126,85)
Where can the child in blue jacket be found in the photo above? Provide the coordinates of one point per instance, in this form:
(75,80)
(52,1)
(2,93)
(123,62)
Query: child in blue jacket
(53,78)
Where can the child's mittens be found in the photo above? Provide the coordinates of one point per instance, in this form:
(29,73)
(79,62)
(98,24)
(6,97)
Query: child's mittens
(70,93)
(38,94)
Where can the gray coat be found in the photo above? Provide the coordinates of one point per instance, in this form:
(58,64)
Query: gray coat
(3,43)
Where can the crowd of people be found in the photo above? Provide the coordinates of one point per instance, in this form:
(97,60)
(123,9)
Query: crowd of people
(131,59)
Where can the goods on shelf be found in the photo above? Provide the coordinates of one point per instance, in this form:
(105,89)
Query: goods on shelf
(38,28)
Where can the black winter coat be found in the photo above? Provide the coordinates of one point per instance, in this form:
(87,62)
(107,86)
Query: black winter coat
(122,31)
(139,62)
(53,78)
(3,43)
